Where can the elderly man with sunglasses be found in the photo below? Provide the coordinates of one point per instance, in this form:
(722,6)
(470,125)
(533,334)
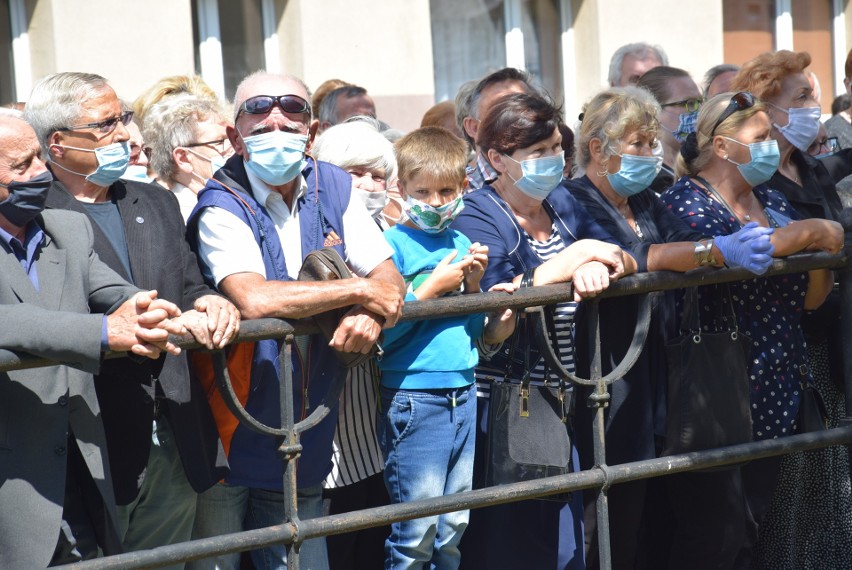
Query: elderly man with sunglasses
(139,233)
(268,207)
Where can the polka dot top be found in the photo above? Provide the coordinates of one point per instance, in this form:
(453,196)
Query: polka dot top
(769,309)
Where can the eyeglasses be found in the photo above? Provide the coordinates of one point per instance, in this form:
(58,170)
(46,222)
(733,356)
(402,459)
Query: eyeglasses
(689,105)
(262,104)
(740,101)
(830,145)
(104,127)
(219,145)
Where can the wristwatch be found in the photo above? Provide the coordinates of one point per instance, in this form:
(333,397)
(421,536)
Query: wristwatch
(704,253)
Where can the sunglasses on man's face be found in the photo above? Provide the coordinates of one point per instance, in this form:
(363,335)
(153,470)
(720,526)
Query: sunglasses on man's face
(740,101)
(262,104)
(104,127)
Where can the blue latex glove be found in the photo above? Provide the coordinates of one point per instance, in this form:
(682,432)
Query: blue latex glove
(749,247)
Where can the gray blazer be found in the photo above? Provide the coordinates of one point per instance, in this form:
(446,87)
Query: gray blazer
(39,405)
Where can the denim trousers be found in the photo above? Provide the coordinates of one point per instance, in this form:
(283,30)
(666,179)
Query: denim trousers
(427,437)
(224,509)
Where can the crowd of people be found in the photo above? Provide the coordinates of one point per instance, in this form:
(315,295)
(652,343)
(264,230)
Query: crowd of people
(122,223)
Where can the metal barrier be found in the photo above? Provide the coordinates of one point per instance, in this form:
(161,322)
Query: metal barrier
(294,532)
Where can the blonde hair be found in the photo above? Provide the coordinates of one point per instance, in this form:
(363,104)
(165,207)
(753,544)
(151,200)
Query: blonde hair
(613,113)
(763,74)
(172,85)
(434,151)
(699,147)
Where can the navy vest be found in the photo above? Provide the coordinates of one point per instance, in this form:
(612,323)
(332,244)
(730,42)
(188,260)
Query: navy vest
(252,457)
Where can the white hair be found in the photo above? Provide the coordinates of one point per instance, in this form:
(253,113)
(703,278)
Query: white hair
(639,50)
(56,101)
(356,143)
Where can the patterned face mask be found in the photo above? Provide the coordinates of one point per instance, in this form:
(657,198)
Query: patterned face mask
(686,126)
(431,219)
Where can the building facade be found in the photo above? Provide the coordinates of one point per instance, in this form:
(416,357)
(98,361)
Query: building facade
(409,54)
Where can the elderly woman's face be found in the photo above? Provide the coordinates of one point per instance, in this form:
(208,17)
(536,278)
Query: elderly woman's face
(638,142)
(550,146)
(795,92)
(756,128)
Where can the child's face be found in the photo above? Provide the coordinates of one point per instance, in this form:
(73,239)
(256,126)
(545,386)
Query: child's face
(430,190)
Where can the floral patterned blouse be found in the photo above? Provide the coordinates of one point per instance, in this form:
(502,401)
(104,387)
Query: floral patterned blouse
(769,309)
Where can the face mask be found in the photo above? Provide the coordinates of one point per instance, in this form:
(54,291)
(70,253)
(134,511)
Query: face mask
(430,219)
(374,201)
(136,172)
(540,175)
(402,217)
(216,161)
(802,126)
(823,155)
(26,199)
(765,158)
(112,162)
(636,174)
(686,125)
(276,157)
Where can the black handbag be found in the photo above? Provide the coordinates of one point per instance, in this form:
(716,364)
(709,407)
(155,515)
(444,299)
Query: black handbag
(708,399)
(528,426)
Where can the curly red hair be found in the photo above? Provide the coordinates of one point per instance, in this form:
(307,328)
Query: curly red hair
(763,74)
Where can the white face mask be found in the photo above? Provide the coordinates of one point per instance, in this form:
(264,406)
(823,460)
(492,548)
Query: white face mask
(374,201)
(802,126)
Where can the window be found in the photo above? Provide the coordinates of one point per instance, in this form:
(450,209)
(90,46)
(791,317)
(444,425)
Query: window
(471,38)
(7,73)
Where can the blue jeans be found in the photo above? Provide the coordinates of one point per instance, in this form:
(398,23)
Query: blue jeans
(224,509)
(428,441)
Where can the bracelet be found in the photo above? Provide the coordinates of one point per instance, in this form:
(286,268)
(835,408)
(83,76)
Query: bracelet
(704,253)
(527,278)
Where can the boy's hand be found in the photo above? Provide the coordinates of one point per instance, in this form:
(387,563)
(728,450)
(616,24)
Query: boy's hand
(445,277)
(479,253)
(501,324)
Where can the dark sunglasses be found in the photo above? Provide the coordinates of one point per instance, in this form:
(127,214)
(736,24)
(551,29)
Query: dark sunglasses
(262,104)
(106,126)
(740,101)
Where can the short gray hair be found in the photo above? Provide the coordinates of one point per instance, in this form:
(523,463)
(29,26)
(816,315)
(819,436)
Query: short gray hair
(639,50)
(327,113)
(56,102)
(173,123)
(355,143)
(240,96)
(463,106)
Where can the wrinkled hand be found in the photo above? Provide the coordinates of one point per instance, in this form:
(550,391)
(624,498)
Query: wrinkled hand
(223,320)
(479,262)
(590,279)
(586,250)
(142,325)
(382,299)
(501,324)
(749,248)
(357,331)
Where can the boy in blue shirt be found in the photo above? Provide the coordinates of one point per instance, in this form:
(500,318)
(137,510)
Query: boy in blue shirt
(428,414)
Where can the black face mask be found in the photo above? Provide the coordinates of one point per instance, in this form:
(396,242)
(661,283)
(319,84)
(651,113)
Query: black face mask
(26,199)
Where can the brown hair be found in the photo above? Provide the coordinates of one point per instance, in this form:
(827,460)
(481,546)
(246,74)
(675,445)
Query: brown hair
(763,74)
(517,121)
(656,81)
(440,114)
(434,151)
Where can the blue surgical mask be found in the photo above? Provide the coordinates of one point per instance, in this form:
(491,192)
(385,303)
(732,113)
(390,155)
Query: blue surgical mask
(765,158)
(431,219)
(276,157)
(540,175)
(802,126)
(113,160)
(136,172)
(26,199)
(636,174)
(686,125)
(216,161)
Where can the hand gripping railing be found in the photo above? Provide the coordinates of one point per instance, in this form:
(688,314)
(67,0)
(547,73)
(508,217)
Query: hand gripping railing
(294,532)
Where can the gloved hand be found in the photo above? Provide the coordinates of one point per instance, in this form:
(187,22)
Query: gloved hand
(749,247)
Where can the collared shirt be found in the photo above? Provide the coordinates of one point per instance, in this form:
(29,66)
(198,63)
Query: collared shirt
(186,198)
(221,234)
(25,252)
(480,174)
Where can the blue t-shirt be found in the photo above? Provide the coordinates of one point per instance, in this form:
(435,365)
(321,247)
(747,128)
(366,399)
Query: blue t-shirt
(435,353)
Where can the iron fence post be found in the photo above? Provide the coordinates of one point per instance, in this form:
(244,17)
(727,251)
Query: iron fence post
(845,279)
(289,449)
